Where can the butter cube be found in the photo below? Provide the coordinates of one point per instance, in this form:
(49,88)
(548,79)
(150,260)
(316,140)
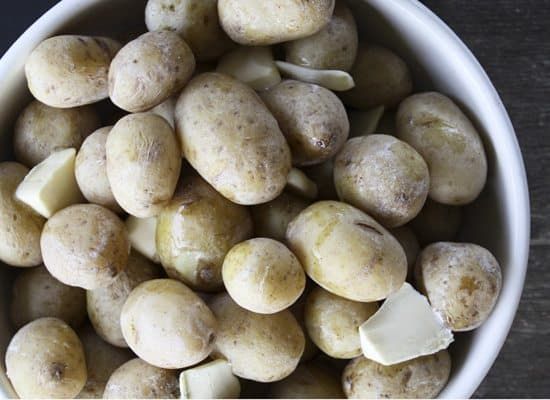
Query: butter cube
(214,380)
(142,233)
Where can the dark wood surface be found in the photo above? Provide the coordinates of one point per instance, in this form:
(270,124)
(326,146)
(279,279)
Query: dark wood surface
(511,38)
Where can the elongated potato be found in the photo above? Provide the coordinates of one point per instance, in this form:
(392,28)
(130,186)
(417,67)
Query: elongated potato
(232,140)
(310,381)
(70,71)
(437,222)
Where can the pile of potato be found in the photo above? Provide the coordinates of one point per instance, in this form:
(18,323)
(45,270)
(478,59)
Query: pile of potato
(180,227)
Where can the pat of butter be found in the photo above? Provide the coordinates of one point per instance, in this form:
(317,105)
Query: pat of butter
(142,233)
(405,327)
(214,380)
(51,185)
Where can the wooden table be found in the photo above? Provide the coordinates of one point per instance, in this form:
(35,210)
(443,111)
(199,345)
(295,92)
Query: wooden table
(511,38)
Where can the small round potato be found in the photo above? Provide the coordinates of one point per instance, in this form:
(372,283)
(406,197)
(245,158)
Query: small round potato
(323,176)
(462,282)
(45,359)
(381,79)
(347,252)
(261,23)
(37,294)
(20,238)
(262,348)
(168,325)
(333,322)
(312,118)
(143,163)
(70,71)
(436,127)
(263,276)
(382,176)
(196,21)
(437,223)
(421,378)
(196,230)
(42,130)
(138,380)
(85,245)
(230,137)
(105,304)
(333,47)
(407,239)
(309,381)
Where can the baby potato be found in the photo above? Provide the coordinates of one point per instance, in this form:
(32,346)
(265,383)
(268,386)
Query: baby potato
(168,325)
(85,245)
(143,163)
(70,71)
(333,47)
(37,294)
(138,380)
(309,381)
(105,304)
(41,130)
(421,378)
(462,282)
(407,239)
(347,252)
(437,222)
(196,21)
(323,176)
(312,118)
(261,23)
(333,323)
(436,127)
(45,359)
(381,79)
(19,239)
(249,160)
(263,276)
(259,347)
(382,176)
(196,230)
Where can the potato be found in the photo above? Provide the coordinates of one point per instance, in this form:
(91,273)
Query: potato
(37,294)
(263,348)
(333,322)
(323,176)
(254,23)
(263,276)
(85,245)
(347,252)
(70,71)
(298,310)
(309,381)
(167,111)
(407,239)
(41,130)
(437,222)
(232,140)
(436,127)
(105,304)
(20,240)
(462,282)
(45,359)
(312,118)
(382,176)
(196,21)
(168,325)
(333,47)
(138,380)
(196,230)
(143,163)
(381,79)
(423,377)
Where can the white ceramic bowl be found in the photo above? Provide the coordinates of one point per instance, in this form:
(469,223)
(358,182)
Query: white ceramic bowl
(499,220)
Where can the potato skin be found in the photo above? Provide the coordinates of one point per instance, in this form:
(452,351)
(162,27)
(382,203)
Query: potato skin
(422,377)
(45,359)
(196,230)
(407,239)
(437,222)
(347,252)
(149,70)
(250,159)
(312,118)
(85,245)
(143,163)
(19,242)
(461,280)
(254,23)
(262,348)
(382,176)
(309,381)
(70,71)
(298,309)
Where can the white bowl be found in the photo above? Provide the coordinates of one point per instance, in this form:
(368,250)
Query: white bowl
(499,220)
